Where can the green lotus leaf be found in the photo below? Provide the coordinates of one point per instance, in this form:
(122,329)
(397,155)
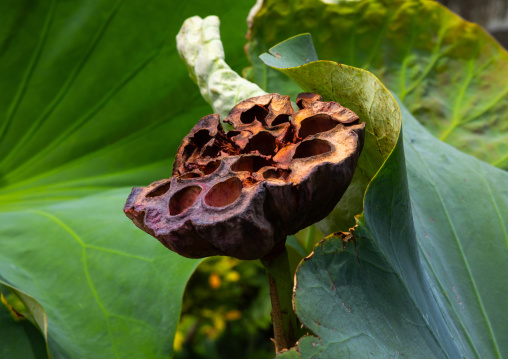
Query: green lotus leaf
(417,282)
(372,297)
(100,280)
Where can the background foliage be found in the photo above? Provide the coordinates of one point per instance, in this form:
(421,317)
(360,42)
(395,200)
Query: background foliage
(449,73)
(96,101)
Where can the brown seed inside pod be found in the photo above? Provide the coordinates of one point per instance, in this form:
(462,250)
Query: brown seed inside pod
(241,193)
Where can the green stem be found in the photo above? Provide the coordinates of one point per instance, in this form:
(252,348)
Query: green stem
(309,241)
(285,323)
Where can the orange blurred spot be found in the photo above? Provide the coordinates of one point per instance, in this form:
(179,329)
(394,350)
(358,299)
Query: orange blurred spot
(214,281)
(233,315)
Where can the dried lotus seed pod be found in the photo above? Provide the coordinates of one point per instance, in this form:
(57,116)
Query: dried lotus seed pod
(242,192)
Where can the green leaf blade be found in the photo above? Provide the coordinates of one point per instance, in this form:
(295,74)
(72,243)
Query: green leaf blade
(460,206)
(431,250)
(387,222)
(121,272)
(280,57)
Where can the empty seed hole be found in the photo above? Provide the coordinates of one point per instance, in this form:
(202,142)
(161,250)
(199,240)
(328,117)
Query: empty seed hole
(232,134)
(256,112)
(263,142)
(276,173)
(224,193)
(250,164)
(211,167)
(312,148)
(188,151)
(316,124)
(183,199)
(280,119)
(159,190)
(201,138)
(306,98)
(210,151)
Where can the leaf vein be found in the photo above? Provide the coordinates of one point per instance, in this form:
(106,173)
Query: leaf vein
(78,239)
(459,246)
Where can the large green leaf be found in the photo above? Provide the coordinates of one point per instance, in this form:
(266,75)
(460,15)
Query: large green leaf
(451,305)
(108,290)
(94,97)
(321,304)
(460,211)
(378,300)
(448,72)
(371,292)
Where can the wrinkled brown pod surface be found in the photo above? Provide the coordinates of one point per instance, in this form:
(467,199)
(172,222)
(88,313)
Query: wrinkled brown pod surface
(242,192)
